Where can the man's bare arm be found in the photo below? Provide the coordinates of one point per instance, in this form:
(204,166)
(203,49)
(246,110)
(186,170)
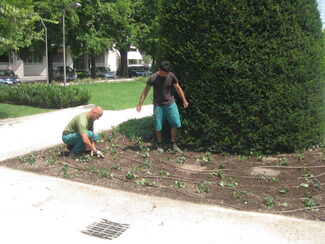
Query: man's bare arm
(143,97)
(180,92)
(90,145)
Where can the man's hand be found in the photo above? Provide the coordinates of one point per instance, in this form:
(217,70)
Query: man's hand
(139,108)
(185,104)
(97,154)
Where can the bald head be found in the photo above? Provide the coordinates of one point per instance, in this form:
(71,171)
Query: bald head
(95,113)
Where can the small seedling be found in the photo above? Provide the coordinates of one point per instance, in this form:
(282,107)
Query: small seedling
(282,190)
(314,182)
(178,184)
(144,151)
(137,139)
(207,157)
(269,202)
(84,158)
(224,183)
(305,185)
(181,159)
(203,187)
(272,179)
(164,173)
(283,162)
(300,157)
(105,173)
(261,176)
(64,169)
(239,194)
(218,173)
(285,204)
(145,182)
(147,164)
(91,168)
(242,157)
(310,203)
(130,176)
(257,155)
(52,160)
(117,166)
(30,159)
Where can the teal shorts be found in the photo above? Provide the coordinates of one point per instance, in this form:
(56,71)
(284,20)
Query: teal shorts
(169,112)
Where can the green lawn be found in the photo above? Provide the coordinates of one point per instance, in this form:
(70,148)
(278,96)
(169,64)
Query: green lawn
(111,96)
(116,95)
(13,111)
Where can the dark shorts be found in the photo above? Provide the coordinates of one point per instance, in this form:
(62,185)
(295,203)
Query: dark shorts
(169,112)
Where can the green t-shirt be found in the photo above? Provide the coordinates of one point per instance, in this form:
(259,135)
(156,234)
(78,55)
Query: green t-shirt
(80,123)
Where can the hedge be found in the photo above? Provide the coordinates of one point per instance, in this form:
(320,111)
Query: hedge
(44,96)
(253,73)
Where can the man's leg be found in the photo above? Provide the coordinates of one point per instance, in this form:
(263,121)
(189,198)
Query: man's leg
(173,134)
(74,141)
(175,122)
(158,119)
(159,136)
(93,135)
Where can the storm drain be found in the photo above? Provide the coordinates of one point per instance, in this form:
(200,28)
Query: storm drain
(106,229)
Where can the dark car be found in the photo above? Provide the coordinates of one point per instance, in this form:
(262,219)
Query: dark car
(105,72)
(59,76)
(138,70)
(8,77)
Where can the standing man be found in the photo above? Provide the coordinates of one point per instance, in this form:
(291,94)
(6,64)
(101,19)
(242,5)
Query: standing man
(79,133)
(164,102)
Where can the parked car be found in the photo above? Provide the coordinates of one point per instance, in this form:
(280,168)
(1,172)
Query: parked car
(105,73)
(138,70)
(8,77)
(59,76)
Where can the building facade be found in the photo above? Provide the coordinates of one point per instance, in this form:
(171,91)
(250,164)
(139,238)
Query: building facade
(33,66)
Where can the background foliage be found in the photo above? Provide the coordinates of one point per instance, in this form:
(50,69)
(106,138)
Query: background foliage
(16,25)
(253,73)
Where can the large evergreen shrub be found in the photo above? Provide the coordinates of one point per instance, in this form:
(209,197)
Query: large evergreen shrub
(252,71)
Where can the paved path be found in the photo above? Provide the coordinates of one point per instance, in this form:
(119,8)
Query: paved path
(25,134)
(42,209)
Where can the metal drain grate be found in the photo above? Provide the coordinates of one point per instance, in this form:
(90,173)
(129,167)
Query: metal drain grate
(106,229)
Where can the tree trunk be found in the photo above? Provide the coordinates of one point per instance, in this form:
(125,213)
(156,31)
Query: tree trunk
(124,62)
(93,66)
(50,64)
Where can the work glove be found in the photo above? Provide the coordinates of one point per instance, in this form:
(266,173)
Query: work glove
(97,154)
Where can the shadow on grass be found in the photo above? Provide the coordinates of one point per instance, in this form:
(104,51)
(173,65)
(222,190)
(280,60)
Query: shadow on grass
(4,115)
(138,128)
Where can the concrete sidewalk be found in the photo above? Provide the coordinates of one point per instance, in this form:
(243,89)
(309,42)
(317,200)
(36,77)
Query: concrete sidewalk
(42,209)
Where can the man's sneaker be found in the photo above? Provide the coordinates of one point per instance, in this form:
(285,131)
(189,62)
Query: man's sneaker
(176,148)
(160,148)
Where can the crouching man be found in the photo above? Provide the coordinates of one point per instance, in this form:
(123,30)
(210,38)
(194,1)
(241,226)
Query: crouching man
(79,133)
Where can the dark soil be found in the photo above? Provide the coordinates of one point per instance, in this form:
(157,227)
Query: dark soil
(288,184)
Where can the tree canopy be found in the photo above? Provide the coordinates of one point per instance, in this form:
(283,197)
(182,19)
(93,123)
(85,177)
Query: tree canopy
(16,25)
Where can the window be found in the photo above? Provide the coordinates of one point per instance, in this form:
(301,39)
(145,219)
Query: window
(133,61)
(4,58)
(33,59)
(7,58)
